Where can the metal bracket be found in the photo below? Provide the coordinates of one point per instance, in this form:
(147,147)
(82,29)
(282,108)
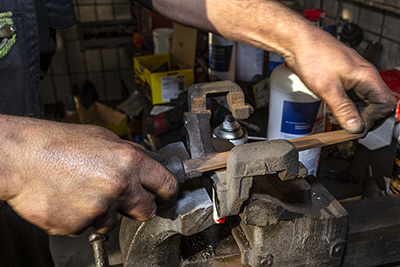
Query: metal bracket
(254,159)
(197,120)
(235,98)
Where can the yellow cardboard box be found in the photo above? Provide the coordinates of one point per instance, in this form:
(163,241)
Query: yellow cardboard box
(102,115)
(162,86)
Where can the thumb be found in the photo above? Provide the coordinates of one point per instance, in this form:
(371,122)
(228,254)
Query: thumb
(343,108)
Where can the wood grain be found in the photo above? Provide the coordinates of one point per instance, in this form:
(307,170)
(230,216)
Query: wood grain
(218,161)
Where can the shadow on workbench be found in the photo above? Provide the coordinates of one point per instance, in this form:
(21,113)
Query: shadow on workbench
(353,176)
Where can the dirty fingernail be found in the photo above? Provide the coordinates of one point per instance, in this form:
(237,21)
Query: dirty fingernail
(354,126)
(153,214)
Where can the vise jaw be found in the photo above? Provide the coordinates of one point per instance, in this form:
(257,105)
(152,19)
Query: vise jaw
(232,186)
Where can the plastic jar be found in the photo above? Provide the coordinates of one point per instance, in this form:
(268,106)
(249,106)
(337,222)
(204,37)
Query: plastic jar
(295,111)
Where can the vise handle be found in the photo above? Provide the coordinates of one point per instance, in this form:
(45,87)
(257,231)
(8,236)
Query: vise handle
(219,160)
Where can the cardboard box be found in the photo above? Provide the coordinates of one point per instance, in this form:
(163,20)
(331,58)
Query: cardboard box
(163,77)
(102,115)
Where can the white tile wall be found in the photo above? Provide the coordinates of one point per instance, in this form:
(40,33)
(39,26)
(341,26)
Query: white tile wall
(371,36)
(125,61)
(98,80)
(46,91)
(93,60)
(105,12)
(371,19)
(350,12)
(312,3)
(123,11)
(110,59)
(129,79)
(63,86)
(76,79)
(80,2)
(392,27)
(58,63)
(113,85)
(75,57)
(105,1)
(391,54)
(71,33)
(87,13)
(331,7)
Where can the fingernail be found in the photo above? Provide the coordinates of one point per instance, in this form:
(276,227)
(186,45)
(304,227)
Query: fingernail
(354,126)
(153,214)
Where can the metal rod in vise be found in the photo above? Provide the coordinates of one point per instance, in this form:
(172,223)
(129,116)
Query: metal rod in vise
(99,249)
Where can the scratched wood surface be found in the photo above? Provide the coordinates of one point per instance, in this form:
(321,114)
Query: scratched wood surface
(218,161)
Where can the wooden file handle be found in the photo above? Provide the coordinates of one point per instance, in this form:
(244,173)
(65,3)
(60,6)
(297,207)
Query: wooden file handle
(218,161)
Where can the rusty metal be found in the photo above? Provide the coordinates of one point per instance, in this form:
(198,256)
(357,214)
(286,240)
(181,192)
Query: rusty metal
(173,156)
(157,241)
(274,217)
(276,233)
(234,96)
(249,160)
(99,249)
(197,120)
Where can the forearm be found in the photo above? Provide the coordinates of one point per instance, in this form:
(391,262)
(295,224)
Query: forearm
(266,24)
(11,138)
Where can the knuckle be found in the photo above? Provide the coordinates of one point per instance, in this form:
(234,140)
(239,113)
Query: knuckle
(346,107)
(128,154)
(148,214)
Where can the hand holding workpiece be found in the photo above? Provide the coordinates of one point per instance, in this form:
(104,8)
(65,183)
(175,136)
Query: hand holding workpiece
(326,66)
(65,177)
(329,69)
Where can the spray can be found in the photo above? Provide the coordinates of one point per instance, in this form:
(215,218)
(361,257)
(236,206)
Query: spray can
(295,111)
(222,58)
(231,130)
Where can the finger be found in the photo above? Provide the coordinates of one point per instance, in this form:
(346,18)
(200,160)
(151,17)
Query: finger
(149,153)
(376,114)
(381,104)
(154,177)
(139,204)
(370,87)
(343,108)
(105,223)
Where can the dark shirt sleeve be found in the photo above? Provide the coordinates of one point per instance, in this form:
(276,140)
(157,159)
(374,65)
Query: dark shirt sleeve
(146,3)
(60,13)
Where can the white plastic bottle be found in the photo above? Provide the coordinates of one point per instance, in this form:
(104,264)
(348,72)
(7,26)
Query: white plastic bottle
(294,111)
(249,62)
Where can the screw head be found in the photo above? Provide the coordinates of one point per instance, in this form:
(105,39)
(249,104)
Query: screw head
(267,260)
(338,248)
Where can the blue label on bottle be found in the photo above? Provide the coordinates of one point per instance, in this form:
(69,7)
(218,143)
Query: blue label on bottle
(220,57)
(272,65)
(299,118)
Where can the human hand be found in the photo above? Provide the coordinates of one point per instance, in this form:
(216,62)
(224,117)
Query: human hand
(329,69)
(326,66)
(67,177)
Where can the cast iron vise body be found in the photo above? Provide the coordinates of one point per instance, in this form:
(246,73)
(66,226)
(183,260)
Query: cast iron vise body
(274,216)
